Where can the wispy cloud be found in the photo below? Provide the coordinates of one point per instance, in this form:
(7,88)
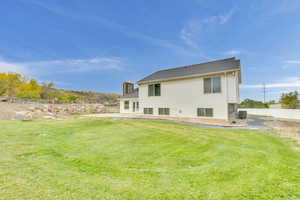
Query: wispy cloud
(110,24)
(194,28)
(232,52)
(62,66)
(290,82)
(290,64)
(13,68)
(292,61)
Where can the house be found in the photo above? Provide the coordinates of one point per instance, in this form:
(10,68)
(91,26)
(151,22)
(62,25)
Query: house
(206,90)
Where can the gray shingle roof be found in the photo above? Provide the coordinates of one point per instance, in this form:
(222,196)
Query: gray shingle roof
(135,94)
(193,70)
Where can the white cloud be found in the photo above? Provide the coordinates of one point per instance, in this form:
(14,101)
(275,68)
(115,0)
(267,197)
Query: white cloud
(78,65)
(13,68)
(192,31)
(232,52)
(290,64)
(62,66)
(290,82)
(292,61)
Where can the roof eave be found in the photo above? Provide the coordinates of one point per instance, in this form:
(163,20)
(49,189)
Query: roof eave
(186,77)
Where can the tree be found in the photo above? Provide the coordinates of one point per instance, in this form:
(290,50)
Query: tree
(289,100)
(46,89)
(29,89)
(249,103)
(3,86)
(271,102)
(13,81)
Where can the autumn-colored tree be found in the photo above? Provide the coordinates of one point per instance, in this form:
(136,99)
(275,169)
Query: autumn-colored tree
(13,81)
(3,84)
(46,90)
(29,89)
(289,100)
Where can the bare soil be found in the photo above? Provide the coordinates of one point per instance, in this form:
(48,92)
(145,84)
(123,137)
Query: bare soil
(286,128)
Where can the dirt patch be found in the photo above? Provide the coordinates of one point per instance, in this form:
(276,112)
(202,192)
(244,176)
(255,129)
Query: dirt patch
(286,128)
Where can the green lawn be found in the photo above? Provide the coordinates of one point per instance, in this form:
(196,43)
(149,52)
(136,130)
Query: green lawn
(134,159)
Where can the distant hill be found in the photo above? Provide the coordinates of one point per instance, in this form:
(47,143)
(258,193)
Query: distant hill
(94,97)
(18,86)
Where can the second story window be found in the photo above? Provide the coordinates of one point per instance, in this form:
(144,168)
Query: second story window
(212,85)
(154,90)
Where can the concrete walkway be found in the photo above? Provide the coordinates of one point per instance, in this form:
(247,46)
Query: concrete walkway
(253,123)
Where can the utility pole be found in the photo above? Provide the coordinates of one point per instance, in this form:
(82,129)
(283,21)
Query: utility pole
(264,91)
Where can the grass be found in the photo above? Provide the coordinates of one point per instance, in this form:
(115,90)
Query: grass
(136,159)
(255,115)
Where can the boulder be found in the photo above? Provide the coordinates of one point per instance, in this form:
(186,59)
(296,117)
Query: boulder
(23,115)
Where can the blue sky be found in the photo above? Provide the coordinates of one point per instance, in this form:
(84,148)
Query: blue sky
(96,45)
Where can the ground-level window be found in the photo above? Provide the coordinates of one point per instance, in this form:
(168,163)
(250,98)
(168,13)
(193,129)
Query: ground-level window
(126,105)
(164,111)
(148,111)
(205,112)
(137,105)
(212,85)
(154,90)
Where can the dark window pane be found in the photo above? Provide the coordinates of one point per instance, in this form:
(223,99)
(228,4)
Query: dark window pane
(207,85)
(126,105)
(157,89)
(167,111)
(201,112)
(216,84)
(150,90)
(148,111)
(164,111)
(209,112)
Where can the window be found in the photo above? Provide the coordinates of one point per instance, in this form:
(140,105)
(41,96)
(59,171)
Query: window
(209,112)
(126,105)
(137,105)
(154,90)
(164,111)
(212,85)
(148,111)
(205,112)
(216,82)
(150,90)
(207,85)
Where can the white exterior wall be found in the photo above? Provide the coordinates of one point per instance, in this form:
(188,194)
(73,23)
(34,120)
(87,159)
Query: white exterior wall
(233,87)
(277,113)
(183,97)
(130,110)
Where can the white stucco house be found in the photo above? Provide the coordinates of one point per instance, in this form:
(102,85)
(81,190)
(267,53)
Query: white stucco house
(206,90)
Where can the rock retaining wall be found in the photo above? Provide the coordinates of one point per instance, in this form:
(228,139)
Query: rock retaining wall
(11,111)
